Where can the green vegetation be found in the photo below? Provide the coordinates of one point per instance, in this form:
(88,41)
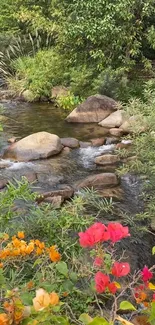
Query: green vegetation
(85,46)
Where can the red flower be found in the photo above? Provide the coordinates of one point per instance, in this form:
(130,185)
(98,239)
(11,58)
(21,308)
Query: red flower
(98,261)
(120,269)
(94,234)
(153,297)
(117,232)
(112,287)
(101,281)
(146,274)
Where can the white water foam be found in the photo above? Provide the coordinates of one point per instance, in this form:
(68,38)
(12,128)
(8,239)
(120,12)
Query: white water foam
(87,155)
(11,165)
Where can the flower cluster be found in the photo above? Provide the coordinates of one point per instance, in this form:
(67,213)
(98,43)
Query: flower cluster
(95,236)
(101,233)
(145,292)
(109,270)
(15,311)
(19,247)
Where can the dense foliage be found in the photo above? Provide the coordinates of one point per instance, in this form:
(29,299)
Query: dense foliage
(84,38)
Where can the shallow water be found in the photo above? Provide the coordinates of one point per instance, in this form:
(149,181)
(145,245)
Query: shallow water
(25,119)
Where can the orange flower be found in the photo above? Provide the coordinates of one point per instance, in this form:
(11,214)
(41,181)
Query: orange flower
(39,251)
(16,242)
(65,294)
(4,319)
(21,234)
(9,307)
(1,265)
(54,298)
(42,300)
(142,297)
(54,254)
(30,285)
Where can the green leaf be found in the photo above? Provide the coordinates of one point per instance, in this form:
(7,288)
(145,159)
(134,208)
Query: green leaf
(73,276)
(126,305)
(68,286)
(62,268)
(2,279)
(27,298)
(85,318)
(153,250)
(152,314)
(99,321)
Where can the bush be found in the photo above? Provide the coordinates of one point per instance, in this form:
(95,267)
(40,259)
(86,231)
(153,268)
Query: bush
(38,74)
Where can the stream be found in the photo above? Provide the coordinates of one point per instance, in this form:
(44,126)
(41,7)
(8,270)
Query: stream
(23,119)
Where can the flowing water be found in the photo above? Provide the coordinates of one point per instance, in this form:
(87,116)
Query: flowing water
(23,119)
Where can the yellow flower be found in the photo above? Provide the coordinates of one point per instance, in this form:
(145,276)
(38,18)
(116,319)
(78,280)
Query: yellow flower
(54,298)
(5,236)
(4,319)
(42,300)
(54,254)
(21,234)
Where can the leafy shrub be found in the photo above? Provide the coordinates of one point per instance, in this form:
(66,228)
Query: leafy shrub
(38,74)
(116,84)
(68,102)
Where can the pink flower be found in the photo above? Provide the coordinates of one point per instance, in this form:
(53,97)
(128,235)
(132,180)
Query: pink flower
(94,234)
(146,274)
(98,261)
(120,269)
(117,231)
(101,281)
(153,297)
(112,287)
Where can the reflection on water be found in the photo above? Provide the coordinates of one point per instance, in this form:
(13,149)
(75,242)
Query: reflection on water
(25,118)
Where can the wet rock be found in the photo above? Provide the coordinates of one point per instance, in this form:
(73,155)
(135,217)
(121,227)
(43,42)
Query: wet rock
(98,142)
(66,150)
(13,139)
(5,94)
(123,145)
(64,191)
(56,201)
(140,320)
(36,146)
(102,180)
(94,109)
(132,124)
(85,144)
(29,96)
(115,192)
(107,159)
(59,91)
(31,176)
(3,183)
(116,132)
(114,120)
(111,141)
(5,164)
(70,142)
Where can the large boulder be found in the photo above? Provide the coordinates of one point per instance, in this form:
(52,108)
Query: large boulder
(36,146)
(102,180)
(94,109)
(116,119)
(107,159)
